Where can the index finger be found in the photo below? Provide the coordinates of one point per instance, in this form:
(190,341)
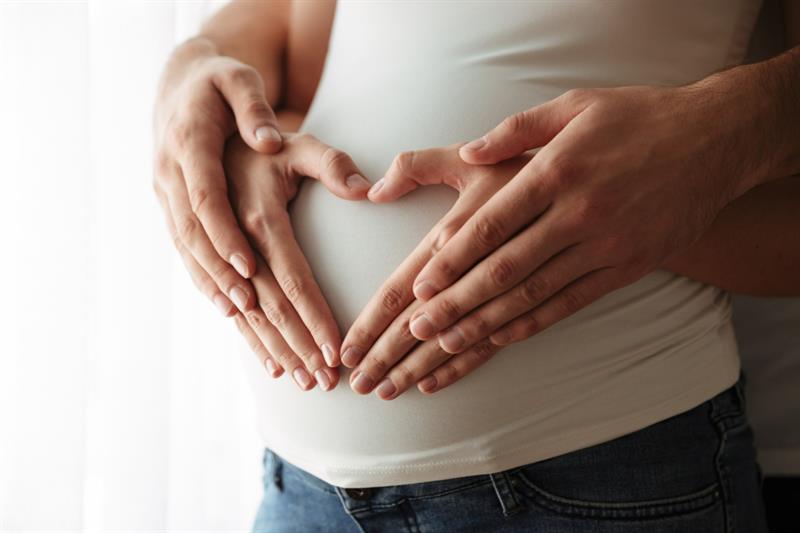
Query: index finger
(201,163)
(521,200)
(396,294)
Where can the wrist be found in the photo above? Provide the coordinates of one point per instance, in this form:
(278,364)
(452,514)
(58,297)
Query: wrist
(755,110)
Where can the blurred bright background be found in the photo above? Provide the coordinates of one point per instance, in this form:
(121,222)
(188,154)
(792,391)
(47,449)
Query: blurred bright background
(123,405)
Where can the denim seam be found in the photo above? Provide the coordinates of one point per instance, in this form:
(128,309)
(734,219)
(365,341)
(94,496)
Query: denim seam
(667,507)
(722,475)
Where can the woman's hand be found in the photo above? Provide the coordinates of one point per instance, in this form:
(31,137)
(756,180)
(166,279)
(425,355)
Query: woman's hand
(626,177)
(292,319)
(203,99)
(382,329)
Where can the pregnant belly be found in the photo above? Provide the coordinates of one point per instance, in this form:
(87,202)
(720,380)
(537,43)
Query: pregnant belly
(616,360)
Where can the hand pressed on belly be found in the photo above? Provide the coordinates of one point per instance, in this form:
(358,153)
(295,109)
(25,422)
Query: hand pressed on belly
(380,343)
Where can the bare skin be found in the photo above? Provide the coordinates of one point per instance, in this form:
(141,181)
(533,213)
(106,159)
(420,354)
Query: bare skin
(292,41)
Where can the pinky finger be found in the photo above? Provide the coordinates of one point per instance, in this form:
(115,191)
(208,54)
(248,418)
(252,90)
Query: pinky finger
(275,370)
(199,276)
(458,366)
(561,305)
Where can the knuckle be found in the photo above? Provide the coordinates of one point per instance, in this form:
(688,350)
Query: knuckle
(287,359)
(502,271)
(391,299)
(572,300)
(333,159)
(488,232)
(362,336)
(476,326)
(402,376)
(559,167)
(483,351)
(378,366)
(514,124)
(187,229)
(449,373)
(535,289)
(199,197)
(241,74)
(254,222)
(404,331)
(442,237)
(404,162)
(293,288)
(184,132)
(221,271)
(254,318)
(256,106)
(449,309)
(276,311)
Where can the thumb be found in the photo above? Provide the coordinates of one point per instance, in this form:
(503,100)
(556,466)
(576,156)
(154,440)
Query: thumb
(520,132)
(243,89)
(413,169)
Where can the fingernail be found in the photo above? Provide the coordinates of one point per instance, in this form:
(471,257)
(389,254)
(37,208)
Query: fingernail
(267,132)
(238,262)
(386,389)
(301,377)
(361,383)
(424,290)
(500,338)
(357,181)
(451,340)
(327,353)
(272,368)
(239,297)
(323,379)
(428,384)
(223,304)
(421,327)
(477,144)
(351,356)
(375,188)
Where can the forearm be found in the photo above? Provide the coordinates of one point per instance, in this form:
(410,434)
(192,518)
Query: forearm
(254,33)
(753,246)
(756,109)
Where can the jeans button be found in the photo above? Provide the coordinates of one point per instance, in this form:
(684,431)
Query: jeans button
(359,494)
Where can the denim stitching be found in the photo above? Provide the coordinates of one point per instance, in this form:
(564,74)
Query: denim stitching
(664,508)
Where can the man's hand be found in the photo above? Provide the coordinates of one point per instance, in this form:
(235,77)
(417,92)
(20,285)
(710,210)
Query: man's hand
(292,320)
(394,359)
(203,99)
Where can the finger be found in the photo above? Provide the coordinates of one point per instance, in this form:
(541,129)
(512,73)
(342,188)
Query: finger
(458,366)
(273,368)
(494,275)
(334,168)
(200,148)
(395,342)
(276,345)
(554,275)
(422,360)
(523,131)
(278,246)
(199,277)
(243,89)
(282,315)
(564,303)
(191,234)
(395,294)
(523,199)
(412,169)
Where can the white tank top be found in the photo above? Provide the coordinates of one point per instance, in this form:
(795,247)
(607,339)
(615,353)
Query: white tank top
(409,75)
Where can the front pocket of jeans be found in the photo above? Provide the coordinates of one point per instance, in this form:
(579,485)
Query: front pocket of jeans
(653,508)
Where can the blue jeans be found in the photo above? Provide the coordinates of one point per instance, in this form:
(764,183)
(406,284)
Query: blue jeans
(693,473)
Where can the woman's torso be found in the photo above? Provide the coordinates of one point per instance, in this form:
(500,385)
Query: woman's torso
(410,75)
